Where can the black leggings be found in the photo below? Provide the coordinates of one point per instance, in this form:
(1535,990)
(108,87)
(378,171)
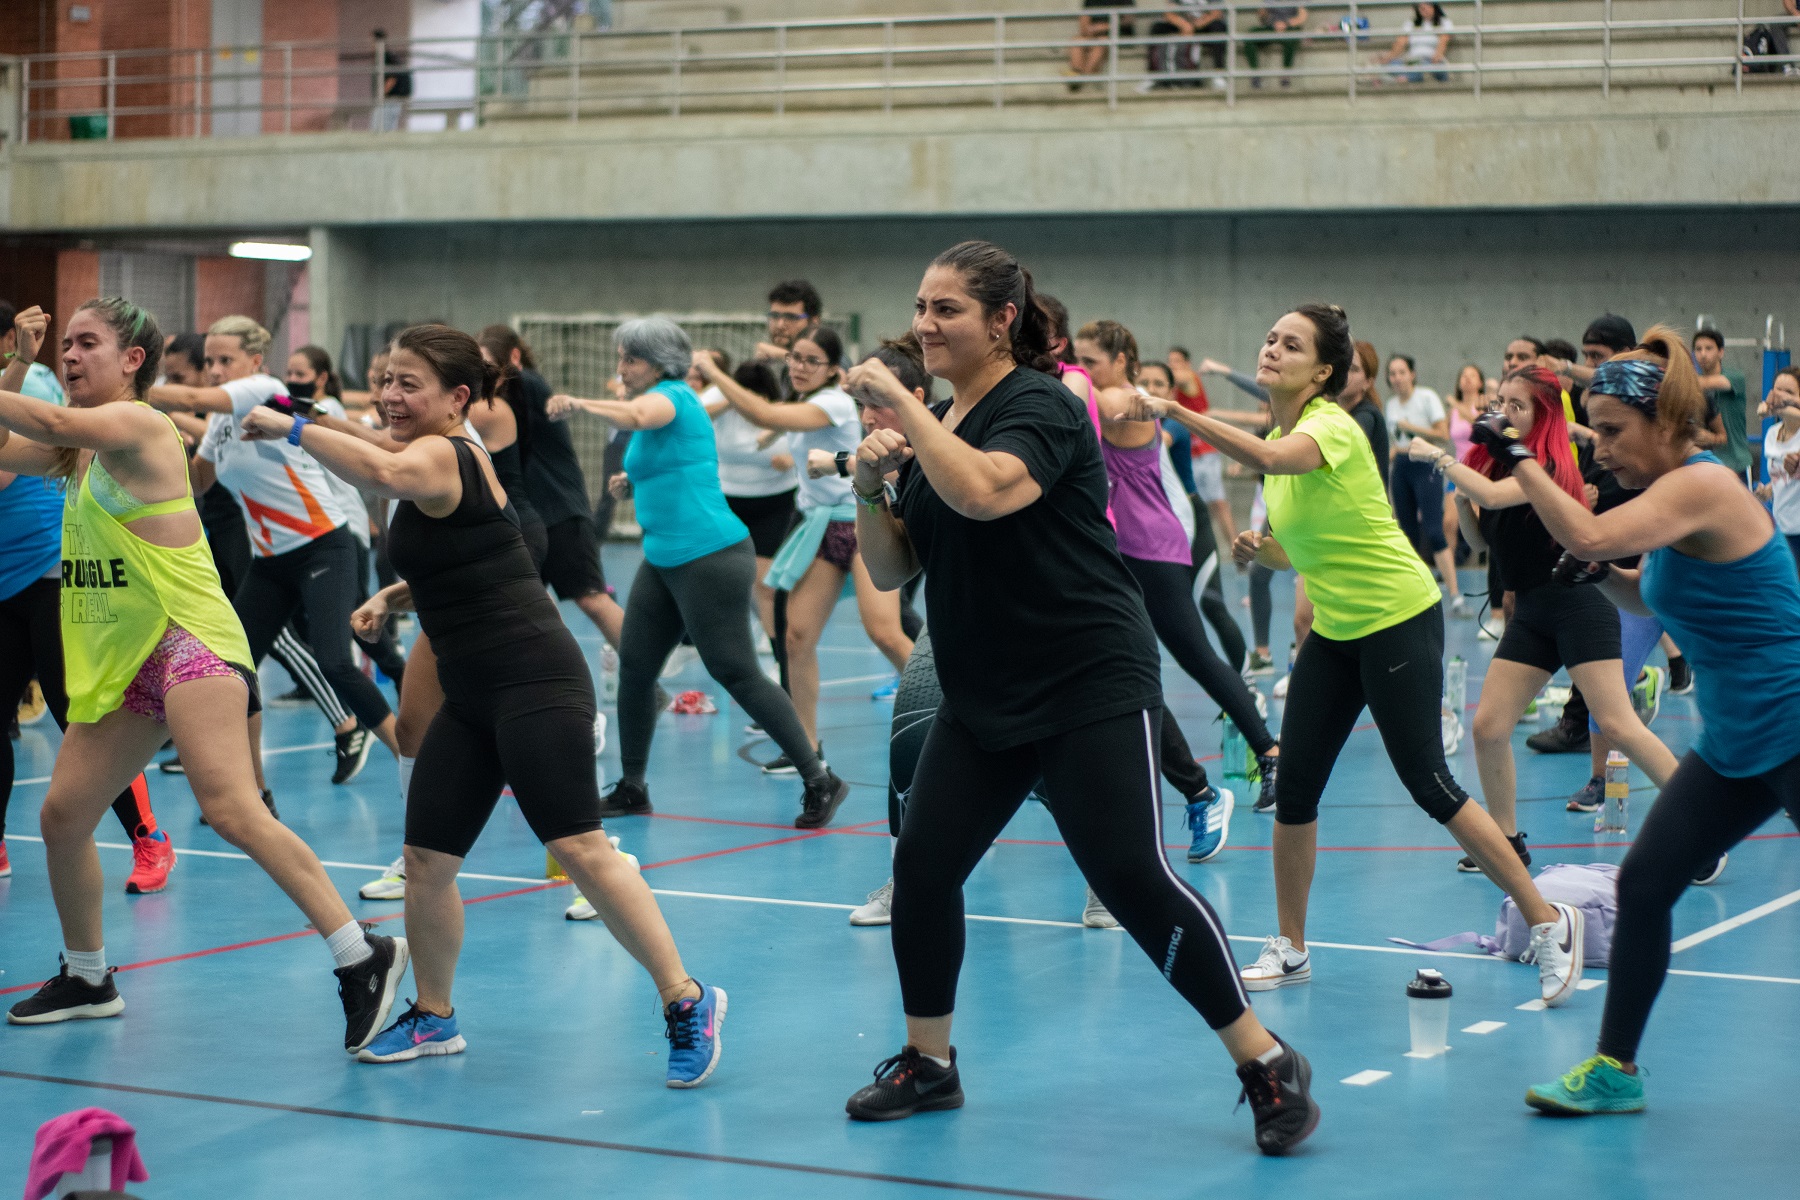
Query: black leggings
(710,598)
(1262,604)
(319,578)
(1398,672)
(1100,783)
(1699,816)
(1168,597)
(1418,503)
(31,645)
(1212,596)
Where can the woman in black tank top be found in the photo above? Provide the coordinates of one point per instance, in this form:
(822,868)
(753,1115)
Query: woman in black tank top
(518,699)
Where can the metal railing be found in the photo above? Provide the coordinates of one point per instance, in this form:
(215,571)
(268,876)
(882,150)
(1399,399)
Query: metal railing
(992,59)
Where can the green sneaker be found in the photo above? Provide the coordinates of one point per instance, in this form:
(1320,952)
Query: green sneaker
(1599,1085)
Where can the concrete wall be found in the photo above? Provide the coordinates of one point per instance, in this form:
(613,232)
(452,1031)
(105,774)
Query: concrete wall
(1447,288)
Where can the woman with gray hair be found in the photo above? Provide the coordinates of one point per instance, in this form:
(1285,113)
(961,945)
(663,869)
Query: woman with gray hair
(697,570)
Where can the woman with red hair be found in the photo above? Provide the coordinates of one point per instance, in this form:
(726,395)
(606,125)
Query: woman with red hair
(1555,623)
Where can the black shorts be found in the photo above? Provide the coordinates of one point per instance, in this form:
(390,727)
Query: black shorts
(768,518)
(572,561)
(1554,626)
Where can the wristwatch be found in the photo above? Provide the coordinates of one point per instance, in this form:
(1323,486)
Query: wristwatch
(843,463)
(293,436)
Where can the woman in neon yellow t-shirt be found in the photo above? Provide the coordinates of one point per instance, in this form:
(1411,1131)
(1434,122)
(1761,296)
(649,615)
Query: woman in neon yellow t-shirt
(152,650)
(1377,639)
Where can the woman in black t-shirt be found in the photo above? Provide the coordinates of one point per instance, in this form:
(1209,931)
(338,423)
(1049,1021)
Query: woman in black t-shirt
(1049,670)
(1553,624)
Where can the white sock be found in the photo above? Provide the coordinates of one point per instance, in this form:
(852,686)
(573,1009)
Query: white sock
(406,770)
(349,945)
(1272,1054)
(89,966)
(932,1058)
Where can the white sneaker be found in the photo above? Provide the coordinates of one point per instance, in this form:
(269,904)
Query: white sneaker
(679,660)
(599,733)
(1459,607)
(609,675)
(879,910)
(1490,630)
(1278,966)
(391,885)
(1095,916)
(1557,949)
(1262,703)
(1450,727)
(1281,686)
(581,910)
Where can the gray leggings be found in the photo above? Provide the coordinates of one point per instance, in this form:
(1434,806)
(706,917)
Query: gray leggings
(709,598)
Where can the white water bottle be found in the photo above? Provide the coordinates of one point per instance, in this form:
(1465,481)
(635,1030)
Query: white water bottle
(1615,807)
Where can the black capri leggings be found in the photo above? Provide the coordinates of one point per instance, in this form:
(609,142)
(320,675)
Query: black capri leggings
(1205,546)
(709,598)
(1398,672)
(1699,816)
(522,715)
(1418,503)
(319,578)
(1101,785)
(1168,597)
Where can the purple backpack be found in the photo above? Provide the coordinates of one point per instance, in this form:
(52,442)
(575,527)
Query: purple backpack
(1590,887)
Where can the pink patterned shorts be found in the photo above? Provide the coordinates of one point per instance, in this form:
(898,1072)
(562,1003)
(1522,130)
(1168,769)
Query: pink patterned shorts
(178,658)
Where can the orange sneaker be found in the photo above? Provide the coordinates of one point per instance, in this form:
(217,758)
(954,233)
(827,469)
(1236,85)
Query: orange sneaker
(152,858)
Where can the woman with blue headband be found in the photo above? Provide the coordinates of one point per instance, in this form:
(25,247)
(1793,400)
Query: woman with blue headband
(1716,573)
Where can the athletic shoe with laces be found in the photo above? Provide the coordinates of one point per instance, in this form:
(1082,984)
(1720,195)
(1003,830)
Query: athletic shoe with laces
(1280,1099)
(390,886)
(352,753)
(1278,966)
(626,799)
(367,988)
(1647,694)
(1262,703)
(68,997)
(1467,865)
(1489,630)
(1450,731)
(5,862)
(781,764)
(1094,914)
(905,1084)
(679,660)
(583,909)
(1258,664)
(1267,767)
(416,1034)
(1595,1086)
(172,766)
(152,858)
(1459,607)
(696,1033)
(1557,949)
(1681,676)
(1709,875)
(1209,820)
(1589,797)
(1564,737)
(820,801)
(1280,690)
(879,908)
(609,675)
(886,691)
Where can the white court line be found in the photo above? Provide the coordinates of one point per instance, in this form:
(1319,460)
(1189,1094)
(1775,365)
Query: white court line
(858,679)
(1365,1078)
(266,754)
(1731,923)
(1484,1026)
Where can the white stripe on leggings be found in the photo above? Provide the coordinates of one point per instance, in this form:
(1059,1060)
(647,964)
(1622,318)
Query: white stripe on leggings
(1162,856)
(294,655)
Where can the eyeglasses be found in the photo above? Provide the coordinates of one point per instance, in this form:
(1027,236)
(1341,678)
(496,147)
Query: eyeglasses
(796,360)
(786,317)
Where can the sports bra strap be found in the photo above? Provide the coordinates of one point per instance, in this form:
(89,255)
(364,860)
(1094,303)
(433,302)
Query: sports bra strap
(160,508)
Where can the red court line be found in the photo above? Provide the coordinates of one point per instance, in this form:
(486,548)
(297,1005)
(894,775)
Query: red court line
(660,816)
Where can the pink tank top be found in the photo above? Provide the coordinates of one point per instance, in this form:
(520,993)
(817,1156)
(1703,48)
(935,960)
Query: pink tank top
(1064,370)
(1147,526)
(1459,433)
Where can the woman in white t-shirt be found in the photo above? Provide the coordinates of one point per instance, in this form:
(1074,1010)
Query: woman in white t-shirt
(756,472)
(1425,38)
(821,550)
(1781,445)
(1415,411)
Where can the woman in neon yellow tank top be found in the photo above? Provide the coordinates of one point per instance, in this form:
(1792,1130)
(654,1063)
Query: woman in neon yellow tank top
(1377,639)
(148,643)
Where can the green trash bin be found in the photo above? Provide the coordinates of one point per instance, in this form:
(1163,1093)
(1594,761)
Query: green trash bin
(88,127)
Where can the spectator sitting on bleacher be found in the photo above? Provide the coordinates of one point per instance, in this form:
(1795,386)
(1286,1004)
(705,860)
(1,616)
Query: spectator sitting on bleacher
(1093,29)
(1276,18)
(1197,19)
(1425,38)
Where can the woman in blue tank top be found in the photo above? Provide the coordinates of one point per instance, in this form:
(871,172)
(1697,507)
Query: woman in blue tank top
(1718,576)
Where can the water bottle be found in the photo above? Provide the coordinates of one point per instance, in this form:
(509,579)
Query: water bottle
(1428,1011)
(1235,751)
(1615,808)
(1456,685)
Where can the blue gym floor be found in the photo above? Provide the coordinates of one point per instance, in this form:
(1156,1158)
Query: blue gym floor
(1086,1075)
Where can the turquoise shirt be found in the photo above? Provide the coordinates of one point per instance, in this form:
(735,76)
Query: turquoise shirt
(675,485)
(30,510)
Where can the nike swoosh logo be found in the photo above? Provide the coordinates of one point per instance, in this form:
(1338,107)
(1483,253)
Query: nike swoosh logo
(419,1038)
(921,1087)
(1391,670)
(317,573)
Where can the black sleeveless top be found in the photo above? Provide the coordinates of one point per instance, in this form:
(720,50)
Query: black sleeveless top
(472,580)
(510,463)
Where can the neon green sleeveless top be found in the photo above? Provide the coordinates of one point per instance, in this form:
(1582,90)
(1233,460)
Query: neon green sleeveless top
(119,593)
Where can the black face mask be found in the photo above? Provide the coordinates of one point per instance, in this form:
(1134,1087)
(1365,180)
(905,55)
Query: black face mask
(300,391)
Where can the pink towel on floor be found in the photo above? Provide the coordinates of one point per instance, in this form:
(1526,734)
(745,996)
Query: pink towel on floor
(62,1148)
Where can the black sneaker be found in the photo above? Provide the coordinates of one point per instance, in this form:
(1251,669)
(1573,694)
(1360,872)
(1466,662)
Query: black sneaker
(819,803)
(1266,765)
(1709,874)
(1279,1099)
(1681,676)
(1564,737)
(367,989)
(352,753)
(905,1084)
(781,764)
(625,799)
(1467,865)
(1589,797)
(68,998)
(298,695)
(172,766)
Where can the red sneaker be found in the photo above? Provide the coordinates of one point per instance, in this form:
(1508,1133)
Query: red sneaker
(5,862)
(152,858)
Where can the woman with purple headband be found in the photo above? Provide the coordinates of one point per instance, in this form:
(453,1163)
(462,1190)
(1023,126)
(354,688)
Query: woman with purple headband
(1716,573)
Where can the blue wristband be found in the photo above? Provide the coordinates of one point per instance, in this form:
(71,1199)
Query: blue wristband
(293,436)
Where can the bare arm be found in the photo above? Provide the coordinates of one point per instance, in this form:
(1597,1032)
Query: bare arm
(1621,586)
(177,397)
(424,472)
(881,538)
(1489,493)
(356,429)
(1469,522)
(108,427)
(1667,511)
(22,456)
(1290,454)
(759,410)
(652,410)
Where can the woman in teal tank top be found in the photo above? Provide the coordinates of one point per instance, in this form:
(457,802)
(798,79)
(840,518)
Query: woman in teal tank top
(132,652)
(1717,574)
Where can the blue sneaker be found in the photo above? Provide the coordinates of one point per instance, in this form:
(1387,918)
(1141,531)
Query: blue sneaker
(1210,821)
(696,1037)
(887,690)
(1599,1085)
(414,1035)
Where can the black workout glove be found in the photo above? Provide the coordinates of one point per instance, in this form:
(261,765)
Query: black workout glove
(1570,571)
(1492,432)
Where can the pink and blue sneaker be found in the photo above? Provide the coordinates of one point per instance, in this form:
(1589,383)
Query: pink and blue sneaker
(696,1036)
(414,1035)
